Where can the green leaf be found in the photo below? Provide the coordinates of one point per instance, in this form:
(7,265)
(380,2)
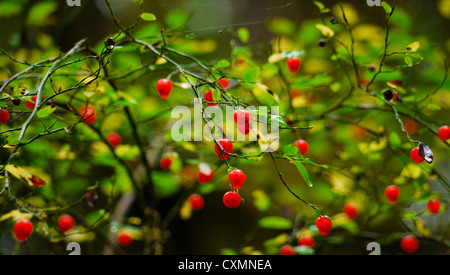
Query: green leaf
(386,7)
(395,140)
(304,173)
(261,200)
(252,74)
(303,250)
(46,111)
(40,13)
(176,19)
(146,16)
(290,150)
(275,222)
(433,107)
(281,26)
(408,61)
(409,215)
(243,34)
(216,95)
(223,63)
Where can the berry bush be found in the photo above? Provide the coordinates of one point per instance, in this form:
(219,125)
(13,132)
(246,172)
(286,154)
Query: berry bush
(87,152)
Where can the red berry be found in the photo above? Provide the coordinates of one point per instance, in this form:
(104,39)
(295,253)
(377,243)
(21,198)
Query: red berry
(287,250)
(444,133)
(411,126)
(415,155)
(124,239)
(324,225)
(224,82)
(88,115)
(30,105)
(114,139)
(165,163)
(391,193)
(433,206)
(242,116)
(209,98)
(244,128)
(306,241)
(293,64)
(350,210)
(237,178)
(204,178)
(4,116)
(66,222)
(394,95)
(164,87)
(227,147)
(409,244)
(232,199)
(197,202)
(302,146)
(23,230)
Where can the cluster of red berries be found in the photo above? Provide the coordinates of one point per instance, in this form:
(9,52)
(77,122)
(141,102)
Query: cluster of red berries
(307,241)
(24,228)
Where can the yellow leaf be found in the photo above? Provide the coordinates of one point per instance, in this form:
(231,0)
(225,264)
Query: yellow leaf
(161,61)
(25,175)
(422,228)
(326,31)
(413,47)
(276,57)
(16,215)
(444,8)
(186,211)
(341,183)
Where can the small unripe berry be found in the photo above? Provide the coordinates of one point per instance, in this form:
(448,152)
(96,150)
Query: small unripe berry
(433,206)
(124,239)
(324,225)
(165,163)
(114,139)
(287,250)
(409,244)
(66,223)
(227,147)
(293,64)
(4,116)
(415,155)
(444,133)
(391,193)
(231,199)
(302,146)
(306,241)
(350,210)
(237,179)
(164,87)
(197,202)
(23,230)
